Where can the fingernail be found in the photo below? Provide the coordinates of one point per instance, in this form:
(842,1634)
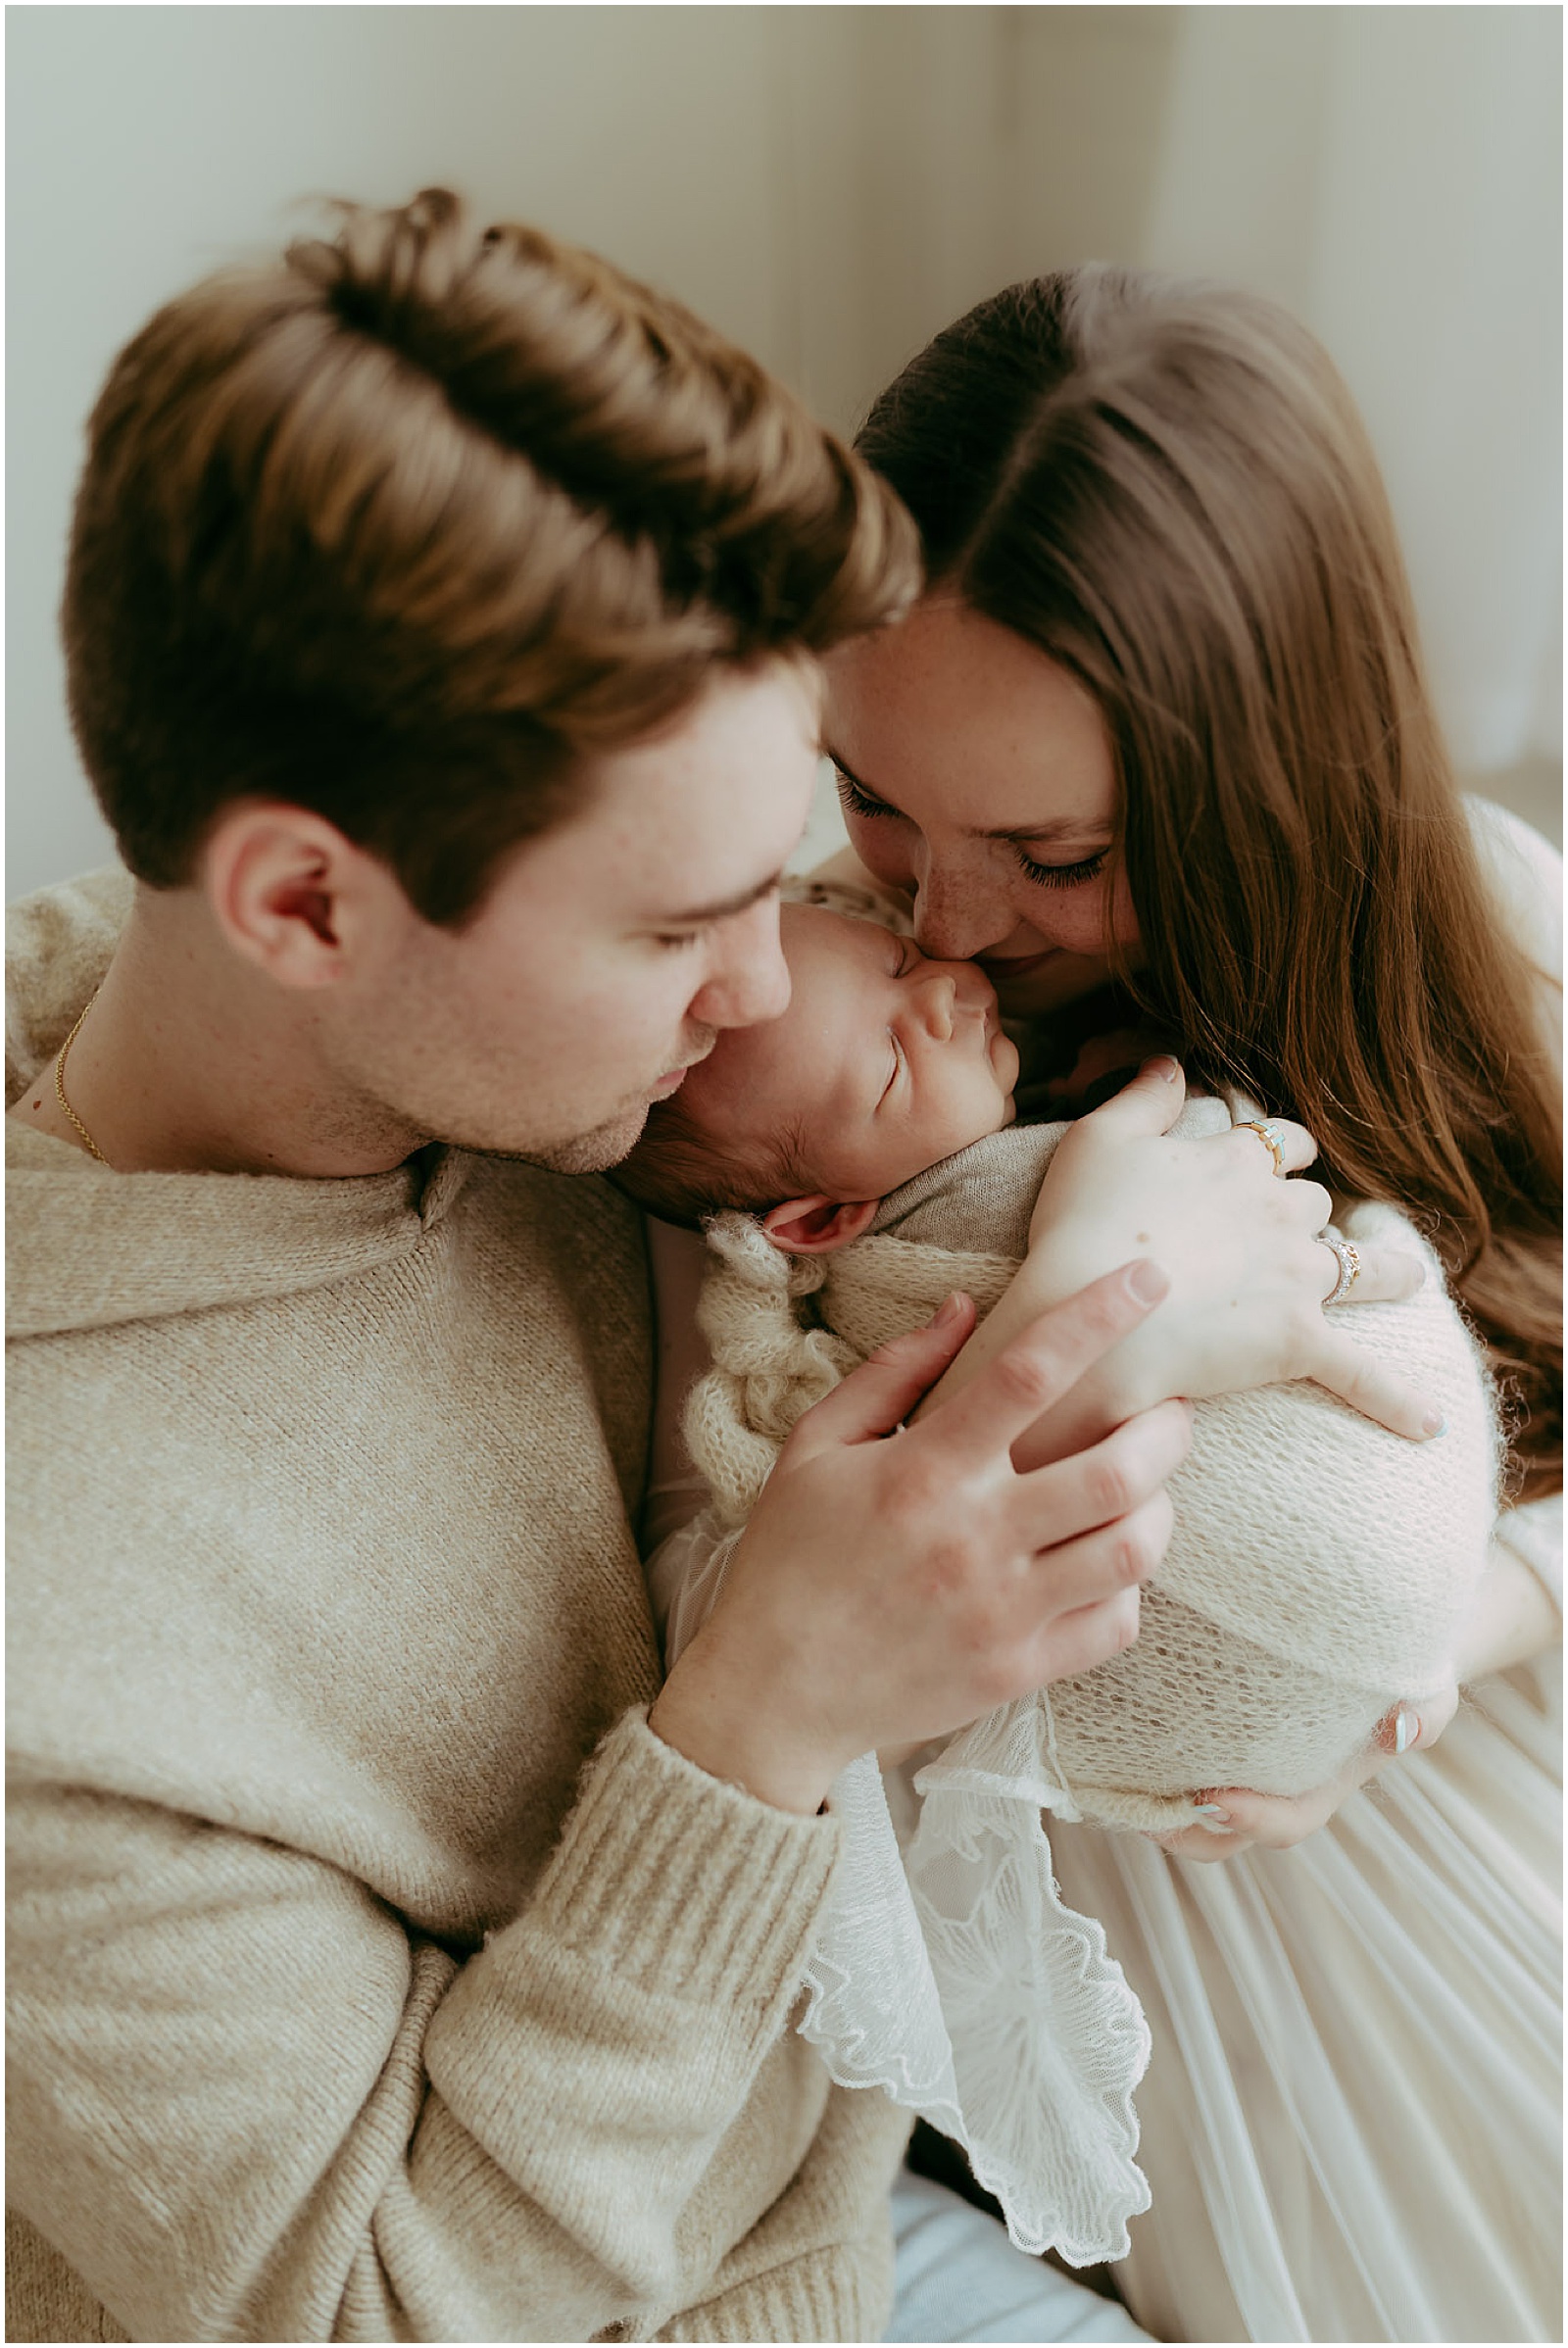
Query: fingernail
(1147,1282)
(1433,1425)
(1212,1810)
(1161,1065)
(947,1311)
(1406,1729)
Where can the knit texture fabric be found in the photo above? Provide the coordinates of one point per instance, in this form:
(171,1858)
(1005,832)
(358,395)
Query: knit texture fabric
(1320,1567)
(374,1973)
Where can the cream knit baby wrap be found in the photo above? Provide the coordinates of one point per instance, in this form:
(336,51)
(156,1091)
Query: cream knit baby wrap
(1320,1567)
(1319,1571)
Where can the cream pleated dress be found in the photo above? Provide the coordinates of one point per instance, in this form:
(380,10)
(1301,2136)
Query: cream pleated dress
(1350,2122)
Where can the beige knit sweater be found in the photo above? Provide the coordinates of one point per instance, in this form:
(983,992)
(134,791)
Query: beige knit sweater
(374,1973)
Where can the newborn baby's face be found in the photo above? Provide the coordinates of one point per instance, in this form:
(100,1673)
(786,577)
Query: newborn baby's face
(882,1063)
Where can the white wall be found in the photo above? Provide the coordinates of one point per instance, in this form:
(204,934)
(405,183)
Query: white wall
(1394,175)
(828,185)
(150,145)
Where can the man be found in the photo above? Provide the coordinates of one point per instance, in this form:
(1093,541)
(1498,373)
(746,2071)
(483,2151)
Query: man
(441,621)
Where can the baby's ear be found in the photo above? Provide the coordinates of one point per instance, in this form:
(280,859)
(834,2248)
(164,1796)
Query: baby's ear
(811,1226)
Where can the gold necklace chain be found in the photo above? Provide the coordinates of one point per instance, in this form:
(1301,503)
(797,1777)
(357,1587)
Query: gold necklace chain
(60,1079)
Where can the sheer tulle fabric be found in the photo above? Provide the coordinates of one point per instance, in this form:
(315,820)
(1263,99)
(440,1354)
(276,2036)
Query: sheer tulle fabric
(1350,2122)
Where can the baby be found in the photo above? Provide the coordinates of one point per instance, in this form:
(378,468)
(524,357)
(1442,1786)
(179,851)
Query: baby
(853,1162)
(884,1063)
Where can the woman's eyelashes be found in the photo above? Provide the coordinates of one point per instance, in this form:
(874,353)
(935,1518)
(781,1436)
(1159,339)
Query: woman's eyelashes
(856,801)
(1061,876)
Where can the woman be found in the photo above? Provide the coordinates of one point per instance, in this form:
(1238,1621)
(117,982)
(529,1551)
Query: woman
(1156,743)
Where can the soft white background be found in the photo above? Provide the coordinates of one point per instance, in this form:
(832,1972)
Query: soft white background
(830,184)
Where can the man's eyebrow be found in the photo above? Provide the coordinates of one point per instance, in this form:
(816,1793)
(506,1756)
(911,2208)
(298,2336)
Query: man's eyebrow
(721,909)
(1052,829)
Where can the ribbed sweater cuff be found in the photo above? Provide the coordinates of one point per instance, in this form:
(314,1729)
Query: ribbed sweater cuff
(677,1881)
(833,2294)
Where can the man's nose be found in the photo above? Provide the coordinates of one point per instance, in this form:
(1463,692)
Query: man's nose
(753,980)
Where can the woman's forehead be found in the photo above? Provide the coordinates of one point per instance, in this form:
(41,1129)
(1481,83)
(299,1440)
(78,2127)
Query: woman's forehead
(978,726)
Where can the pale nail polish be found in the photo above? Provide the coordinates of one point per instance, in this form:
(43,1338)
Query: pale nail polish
(1148,1282)
(1212,1810)
(1406,1729)
(1433,1425)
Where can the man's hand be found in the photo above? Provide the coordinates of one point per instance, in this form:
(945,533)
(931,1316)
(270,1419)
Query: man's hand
(891,1590)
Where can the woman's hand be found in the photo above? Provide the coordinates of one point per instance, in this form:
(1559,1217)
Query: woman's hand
(1513,1619)
(1247,1268)
(1231,1818)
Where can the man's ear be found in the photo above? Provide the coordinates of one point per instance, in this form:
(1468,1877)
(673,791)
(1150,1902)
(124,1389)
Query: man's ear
(811,1226)
(291,894)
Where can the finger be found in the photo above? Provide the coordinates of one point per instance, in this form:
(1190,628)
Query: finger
(1055,1508)
(1339,1364)
(1079,1642)
(1310,1203)
(877,1396)
(1192,1842)
(1272,1820)
(987,1416)
(1384,1276)
(1151,1103)
(1296,1146)
(1401,1730)
(1098,1566)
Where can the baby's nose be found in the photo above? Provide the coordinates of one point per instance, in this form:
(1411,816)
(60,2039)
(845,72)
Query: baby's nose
(939,1003)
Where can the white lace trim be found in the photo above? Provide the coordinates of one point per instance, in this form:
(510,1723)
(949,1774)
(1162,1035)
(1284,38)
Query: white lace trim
(949,1973)
(952,1976)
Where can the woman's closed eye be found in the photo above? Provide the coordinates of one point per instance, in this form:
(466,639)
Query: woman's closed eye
(1061,876)
(856,799)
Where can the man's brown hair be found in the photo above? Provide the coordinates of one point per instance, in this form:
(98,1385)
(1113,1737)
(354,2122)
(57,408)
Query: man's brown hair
(401,527)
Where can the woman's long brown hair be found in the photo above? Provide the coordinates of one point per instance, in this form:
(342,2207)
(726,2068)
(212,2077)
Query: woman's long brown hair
(1167,488)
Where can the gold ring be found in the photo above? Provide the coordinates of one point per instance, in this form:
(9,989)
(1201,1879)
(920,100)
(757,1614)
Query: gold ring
(1347,1255)
(1269,1134)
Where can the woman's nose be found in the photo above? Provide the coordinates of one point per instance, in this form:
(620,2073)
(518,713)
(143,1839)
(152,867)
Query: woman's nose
(956,918)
